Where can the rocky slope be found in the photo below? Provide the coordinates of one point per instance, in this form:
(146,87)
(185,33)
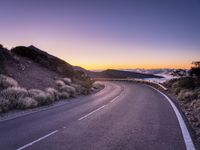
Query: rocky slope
(30,77)
(34,68)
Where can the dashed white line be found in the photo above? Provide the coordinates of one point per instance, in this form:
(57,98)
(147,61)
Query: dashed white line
(27,145)
(186,135)
(92,112)
(114,99)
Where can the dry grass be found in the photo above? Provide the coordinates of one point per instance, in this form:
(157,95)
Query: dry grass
(27,102)
(53,92)
(41,97)
(4,104)
(14,97)
(63,95)
(60,83)
(68,89)
(13,94)
(186,95)
(6,82)
(79,89)
(67,81)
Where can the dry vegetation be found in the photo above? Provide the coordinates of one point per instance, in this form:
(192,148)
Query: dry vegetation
(187,91)
(12,96)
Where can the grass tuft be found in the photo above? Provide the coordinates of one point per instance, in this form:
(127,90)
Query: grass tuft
(6,82)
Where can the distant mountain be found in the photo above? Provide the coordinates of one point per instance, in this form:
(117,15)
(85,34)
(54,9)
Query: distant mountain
(111,73)
(152,71)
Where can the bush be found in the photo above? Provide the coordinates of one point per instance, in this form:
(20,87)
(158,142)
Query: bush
(187,95)
(79,89)
(53,92)
(6,81)
(196,104)
(67,81)
(60,83)
(34,92)
(84,83)
(97,85)
(27,102)
(186,83)
(63,95)
(195,70)
(175,88)
(41,97)
(68,89)
(4,104)
(13,94)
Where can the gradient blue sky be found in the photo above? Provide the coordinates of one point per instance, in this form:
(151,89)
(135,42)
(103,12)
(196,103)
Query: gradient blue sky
(106,33)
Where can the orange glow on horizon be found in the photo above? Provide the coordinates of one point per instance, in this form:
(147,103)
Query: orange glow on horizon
(104,67)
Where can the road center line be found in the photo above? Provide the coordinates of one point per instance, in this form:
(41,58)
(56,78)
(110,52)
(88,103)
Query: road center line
(27,145)
(114,99)
(186,135)
(92,112)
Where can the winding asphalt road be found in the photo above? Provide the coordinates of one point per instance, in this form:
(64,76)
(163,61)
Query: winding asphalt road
(123,116)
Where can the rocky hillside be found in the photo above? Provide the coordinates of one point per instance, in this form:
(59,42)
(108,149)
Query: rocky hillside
(34,68)
(30,77)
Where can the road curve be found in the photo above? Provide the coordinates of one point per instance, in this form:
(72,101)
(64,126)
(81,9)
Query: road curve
(123,116)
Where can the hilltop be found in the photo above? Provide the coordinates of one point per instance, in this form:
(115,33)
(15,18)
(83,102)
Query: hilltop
(34,68)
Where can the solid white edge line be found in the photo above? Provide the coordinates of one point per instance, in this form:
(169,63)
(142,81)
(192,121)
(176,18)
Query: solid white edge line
(27,145)
(186,135)
(92,112)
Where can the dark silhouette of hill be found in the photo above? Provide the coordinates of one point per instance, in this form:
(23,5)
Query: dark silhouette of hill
(111,73)
(51,62)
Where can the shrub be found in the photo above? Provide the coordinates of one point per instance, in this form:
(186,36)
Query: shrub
(53,92)
(13,94)
(186,83)
(34,92)
(197,91)
(60,83)
(41,97)
(175,88)
(27,102)
(4,104)
(6,81)
(196,104)
(186,95)
(97,85)
(63,95)
(69,89)
(79,89)
(195,70)
(67,81)
(84,83)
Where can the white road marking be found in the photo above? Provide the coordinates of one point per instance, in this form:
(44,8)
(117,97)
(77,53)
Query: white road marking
(27,145)
(92,112)
(186,135)
(114,99)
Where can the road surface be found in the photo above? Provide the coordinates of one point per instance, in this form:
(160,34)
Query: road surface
(123,116)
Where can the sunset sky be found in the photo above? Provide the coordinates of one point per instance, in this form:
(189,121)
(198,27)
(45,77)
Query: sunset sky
(100,34)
